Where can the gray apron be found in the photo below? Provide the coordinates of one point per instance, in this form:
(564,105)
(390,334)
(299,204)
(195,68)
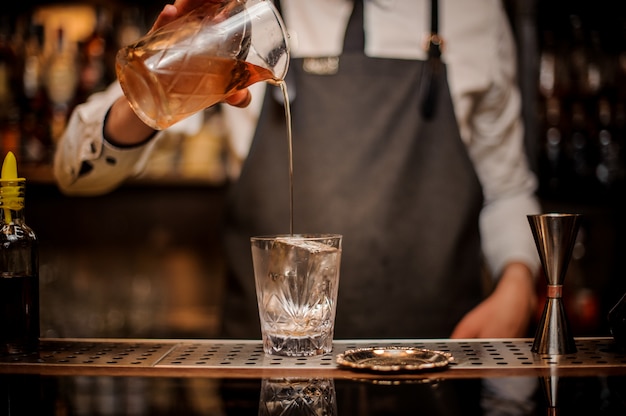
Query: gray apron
(370,164)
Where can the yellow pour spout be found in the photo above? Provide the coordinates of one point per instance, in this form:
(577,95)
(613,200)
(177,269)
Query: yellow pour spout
(10,194)
(9,167)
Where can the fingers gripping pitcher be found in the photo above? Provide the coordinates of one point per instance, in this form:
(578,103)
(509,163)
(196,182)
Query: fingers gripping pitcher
(202,57)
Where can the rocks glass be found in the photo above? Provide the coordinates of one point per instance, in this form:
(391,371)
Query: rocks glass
(297,278)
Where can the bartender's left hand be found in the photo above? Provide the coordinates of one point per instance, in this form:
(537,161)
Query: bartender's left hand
(507,312)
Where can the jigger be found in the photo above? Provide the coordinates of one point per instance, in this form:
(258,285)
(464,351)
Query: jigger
(554,236)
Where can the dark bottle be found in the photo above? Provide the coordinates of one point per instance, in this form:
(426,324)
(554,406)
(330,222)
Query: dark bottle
(9,90)
(36,140)
(609,168)
(617,322)
(19,267)
(96,57)
(552,157)
(581,151)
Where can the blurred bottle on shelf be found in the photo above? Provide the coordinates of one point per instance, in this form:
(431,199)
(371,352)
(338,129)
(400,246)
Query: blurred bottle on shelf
(581,86)
(582,74)
(129,27)
(36,142)
(97,56)
(9,78)
(33,61)
(46,69)
(61,82)
(580,148)
(610,170)
(553,158)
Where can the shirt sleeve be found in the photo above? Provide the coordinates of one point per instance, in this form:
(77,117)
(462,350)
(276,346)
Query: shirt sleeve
(496,145)
(86,164)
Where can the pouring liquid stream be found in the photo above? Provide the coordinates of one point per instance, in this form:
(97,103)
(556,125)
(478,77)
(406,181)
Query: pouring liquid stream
(283,87)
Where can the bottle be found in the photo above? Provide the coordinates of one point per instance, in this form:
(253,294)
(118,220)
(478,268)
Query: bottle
(19,267)
(96,55)
(61,82)
(36,141)
(553,157)
(9,83)
(582,152)
(578,57)
(608,169)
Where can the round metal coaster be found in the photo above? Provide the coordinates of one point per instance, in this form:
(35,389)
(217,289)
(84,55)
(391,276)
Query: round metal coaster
(389,359)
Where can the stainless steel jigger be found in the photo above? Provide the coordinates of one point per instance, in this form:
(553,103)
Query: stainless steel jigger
(554,235)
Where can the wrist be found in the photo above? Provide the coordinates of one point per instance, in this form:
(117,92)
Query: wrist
(517,279)
(122,128)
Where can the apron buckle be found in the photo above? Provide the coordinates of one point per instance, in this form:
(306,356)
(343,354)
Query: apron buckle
(434,45)
(328,65)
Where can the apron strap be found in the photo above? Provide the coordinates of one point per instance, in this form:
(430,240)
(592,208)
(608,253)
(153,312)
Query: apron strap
(354,40)
(434,18)
(433,67)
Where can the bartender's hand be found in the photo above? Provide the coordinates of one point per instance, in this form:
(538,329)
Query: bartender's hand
(123,127)
(507,312)
(172,11)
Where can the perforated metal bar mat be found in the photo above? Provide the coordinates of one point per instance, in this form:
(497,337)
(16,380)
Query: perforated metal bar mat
(94,353)
(513,354)
(485,354)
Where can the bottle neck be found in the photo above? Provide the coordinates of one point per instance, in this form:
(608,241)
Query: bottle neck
(11,216)
(12,201)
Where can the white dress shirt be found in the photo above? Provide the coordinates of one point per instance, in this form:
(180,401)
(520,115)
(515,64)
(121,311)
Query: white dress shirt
(479,52)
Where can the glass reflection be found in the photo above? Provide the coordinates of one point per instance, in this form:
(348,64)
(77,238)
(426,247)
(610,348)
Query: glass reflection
(296,396)
(42,395)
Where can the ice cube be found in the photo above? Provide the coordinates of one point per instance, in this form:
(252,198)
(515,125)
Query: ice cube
(299,257)
(302,274)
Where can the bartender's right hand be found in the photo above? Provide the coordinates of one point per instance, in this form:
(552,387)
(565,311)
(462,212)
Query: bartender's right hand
(122,126)
(180,7)
(171,12)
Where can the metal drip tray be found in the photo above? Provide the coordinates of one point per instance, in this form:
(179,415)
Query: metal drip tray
(93,353)
(232,358)
(485,354)
(241,355)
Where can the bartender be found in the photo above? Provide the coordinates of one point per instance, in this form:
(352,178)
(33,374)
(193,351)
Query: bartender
(412,149)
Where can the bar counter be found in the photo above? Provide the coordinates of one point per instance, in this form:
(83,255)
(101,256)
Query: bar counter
(106,376)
